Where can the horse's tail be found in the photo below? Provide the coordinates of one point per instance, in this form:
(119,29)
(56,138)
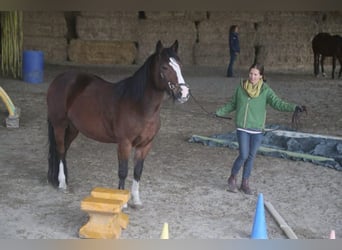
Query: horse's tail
(53,157)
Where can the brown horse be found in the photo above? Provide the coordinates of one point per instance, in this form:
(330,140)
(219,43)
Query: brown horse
(326,45)
(126,113)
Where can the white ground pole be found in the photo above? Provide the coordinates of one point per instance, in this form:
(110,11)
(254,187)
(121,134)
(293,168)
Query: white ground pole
(295,134)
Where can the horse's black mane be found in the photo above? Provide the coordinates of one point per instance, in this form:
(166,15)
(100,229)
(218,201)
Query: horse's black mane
(134,86)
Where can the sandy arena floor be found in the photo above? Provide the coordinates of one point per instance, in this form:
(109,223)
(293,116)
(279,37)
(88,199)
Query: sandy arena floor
(183,184)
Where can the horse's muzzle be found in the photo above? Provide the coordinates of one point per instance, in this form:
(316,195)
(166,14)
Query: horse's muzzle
(184,93)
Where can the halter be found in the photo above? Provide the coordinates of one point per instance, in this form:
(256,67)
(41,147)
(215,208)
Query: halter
(172,86)
(176,68)
(176,90)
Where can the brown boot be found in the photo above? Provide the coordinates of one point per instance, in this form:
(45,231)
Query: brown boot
(232,187)
(245,187)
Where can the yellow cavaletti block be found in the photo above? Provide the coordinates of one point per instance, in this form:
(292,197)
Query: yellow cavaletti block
(96,204)
(106,219)
(115,194)
(123,220)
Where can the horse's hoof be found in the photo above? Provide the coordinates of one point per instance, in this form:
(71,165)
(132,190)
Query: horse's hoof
(124,206)
(65,190)
(135,205)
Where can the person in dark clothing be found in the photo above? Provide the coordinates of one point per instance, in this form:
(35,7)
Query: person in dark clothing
(234,48)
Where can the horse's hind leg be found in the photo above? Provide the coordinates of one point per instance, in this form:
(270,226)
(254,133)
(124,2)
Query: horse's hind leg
(53,157)
(62,170)
(57,164)
(60,140)
(70,134)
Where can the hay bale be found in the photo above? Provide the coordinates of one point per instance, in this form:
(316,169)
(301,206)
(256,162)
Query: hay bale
(54,48)
(150,31)
(102,52)
(44,24)
(283,38)
(107,28)
(46,31)
(109,13)
(210,54)
(176,15)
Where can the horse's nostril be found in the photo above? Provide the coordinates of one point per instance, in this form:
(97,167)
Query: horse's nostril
(183,98)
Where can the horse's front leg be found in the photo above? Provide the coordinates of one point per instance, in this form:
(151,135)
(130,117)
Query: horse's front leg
(124,151)
(316,64)
(333,67)
(322,65)
(139,158)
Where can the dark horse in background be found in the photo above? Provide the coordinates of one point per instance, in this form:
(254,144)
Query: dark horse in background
(326,45)
(126,113)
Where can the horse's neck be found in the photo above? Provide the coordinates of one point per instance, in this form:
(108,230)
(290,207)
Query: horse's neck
(153,97)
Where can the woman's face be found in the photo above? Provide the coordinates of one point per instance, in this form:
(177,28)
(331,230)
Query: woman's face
(254,75)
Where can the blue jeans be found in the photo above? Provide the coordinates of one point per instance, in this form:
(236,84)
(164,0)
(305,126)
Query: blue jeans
(248,147)
(231,64)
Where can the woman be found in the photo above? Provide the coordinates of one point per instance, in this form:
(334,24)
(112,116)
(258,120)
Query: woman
(249,102)
(234,48)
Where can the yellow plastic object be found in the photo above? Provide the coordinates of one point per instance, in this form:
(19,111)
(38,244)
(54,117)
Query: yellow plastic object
(165,232)
(12,121)
(9,104)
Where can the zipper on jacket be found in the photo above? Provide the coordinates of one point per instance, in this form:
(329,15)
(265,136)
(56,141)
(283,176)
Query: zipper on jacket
(246,111)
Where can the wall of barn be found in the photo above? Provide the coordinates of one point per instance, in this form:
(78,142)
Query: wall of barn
(280,40)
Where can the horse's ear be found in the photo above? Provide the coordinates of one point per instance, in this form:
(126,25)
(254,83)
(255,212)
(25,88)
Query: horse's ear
(174,46)
(159,47)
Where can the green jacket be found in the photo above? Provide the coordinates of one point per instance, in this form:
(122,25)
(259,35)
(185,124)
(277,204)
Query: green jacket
(251,112)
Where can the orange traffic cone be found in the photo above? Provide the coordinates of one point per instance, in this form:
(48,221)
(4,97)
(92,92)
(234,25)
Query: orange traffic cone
(332,235)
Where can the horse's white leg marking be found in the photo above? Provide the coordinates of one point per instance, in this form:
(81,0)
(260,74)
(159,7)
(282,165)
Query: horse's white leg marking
(61,176)
(135,193)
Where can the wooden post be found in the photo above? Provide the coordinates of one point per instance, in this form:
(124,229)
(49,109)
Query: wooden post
(282,224)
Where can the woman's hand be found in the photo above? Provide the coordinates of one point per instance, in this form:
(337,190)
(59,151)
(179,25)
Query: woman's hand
(296,116)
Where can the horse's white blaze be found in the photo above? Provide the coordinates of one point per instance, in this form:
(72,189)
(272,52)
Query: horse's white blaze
(185,89)
(61,176)
(173,63)
(135,193)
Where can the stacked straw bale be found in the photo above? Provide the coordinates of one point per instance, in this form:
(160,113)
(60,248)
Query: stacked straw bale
(279,39)
(46,31)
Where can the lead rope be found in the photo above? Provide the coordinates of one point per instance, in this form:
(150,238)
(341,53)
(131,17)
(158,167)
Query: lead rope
(227,117)
(207,112)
